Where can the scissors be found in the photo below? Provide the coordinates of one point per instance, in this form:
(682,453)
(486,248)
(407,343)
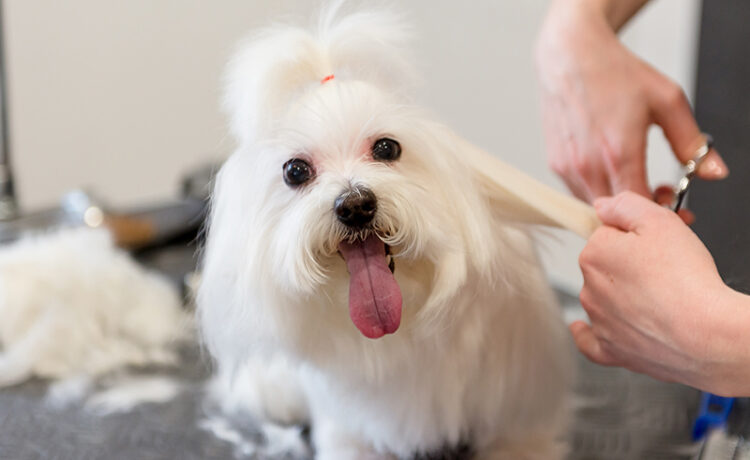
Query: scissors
(691,169)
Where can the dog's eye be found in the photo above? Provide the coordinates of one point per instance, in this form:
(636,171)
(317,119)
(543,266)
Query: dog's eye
(386,149)
(297,172)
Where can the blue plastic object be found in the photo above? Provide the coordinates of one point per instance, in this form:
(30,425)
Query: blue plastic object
(713,413)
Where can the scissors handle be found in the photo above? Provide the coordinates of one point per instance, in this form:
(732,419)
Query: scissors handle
(691,169)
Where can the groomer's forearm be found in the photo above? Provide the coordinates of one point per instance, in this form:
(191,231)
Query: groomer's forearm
(616,12)
(619,12)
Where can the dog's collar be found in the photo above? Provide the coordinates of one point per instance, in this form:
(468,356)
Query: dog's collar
(327,78)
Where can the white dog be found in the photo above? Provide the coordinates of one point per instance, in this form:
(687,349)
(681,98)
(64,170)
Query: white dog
(364,273)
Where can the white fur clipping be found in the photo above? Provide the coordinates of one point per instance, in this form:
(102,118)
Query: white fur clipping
(73,305)
(125,393)
(277,441)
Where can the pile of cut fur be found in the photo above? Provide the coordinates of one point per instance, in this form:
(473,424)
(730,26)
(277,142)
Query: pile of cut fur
(75,308)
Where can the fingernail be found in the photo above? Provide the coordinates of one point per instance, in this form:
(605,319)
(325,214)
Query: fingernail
(714,168)
(687,216)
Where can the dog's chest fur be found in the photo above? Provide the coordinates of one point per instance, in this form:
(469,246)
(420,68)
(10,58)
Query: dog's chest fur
(430,393)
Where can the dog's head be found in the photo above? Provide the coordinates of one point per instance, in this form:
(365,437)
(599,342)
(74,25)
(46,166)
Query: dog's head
(340,181)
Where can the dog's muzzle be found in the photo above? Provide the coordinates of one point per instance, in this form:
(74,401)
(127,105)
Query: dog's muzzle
(356,207)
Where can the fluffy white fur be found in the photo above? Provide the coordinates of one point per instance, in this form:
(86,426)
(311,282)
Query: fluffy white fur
(481,355)
(72,305)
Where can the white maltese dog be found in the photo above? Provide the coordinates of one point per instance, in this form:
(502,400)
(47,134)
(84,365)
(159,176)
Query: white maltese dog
(363,272)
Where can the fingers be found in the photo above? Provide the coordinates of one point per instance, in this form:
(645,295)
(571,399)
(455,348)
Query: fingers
(671,110)
(632,178)
(626,211)
(589,344)
(589,175)
(687,216)
(593,174)
(592,167)
(558,162)
(664,196)
(578,188)
(626,164)
(713,167)
(582,171)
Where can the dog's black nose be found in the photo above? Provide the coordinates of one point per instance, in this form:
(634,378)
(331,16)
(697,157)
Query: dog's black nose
(356,207)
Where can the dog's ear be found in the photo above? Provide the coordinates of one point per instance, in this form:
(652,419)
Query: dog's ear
(262,77)
(278,65)
(519,198)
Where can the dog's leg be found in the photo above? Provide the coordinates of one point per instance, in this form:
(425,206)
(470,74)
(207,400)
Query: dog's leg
(332,443)
(266,387)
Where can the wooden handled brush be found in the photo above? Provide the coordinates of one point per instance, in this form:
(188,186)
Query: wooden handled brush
(522,198)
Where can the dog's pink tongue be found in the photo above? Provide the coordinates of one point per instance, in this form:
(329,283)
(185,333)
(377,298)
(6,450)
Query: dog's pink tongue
(374,295)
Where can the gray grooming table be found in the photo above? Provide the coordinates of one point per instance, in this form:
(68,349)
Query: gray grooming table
(619,416)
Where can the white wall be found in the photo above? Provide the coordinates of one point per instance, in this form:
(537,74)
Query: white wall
(120,97)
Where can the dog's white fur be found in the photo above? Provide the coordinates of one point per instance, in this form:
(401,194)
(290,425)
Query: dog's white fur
(481,355)
(72,305)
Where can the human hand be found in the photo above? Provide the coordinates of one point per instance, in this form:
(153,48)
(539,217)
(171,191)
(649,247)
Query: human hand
(656,302)
(598,101)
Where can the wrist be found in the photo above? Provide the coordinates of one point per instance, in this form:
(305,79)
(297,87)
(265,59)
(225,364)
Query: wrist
(727,342)
(615,13)
(618,12)
(570,23)
(573,37)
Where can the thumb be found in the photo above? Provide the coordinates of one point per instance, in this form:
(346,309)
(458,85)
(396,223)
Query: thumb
(671,110)
(627,211)
(589,344)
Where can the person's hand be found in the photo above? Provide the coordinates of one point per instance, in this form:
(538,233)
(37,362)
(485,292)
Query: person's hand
(656,302)
(598,101)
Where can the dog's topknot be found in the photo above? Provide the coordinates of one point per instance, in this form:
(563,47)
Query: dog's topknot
(280,63)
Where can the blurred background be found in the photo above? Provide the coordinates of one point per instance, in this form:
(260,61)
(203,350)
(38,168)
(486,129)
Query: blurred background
(121,98)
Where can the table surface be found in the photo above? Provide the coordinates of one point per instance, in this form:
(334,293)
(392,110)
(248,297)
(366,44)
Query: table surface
(618,415)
